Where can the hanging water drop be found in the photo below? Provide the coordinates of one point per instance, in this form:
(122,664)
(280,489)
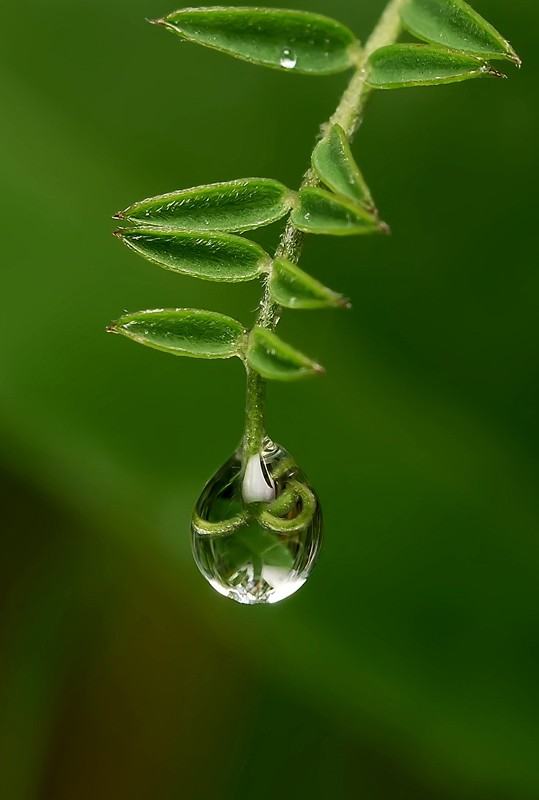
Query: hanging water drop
(288,59)
(257,527)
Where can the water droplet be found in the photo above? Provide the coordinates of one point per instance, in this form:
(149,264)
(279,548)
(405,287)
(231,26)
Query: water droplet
(288,59)
(257,551)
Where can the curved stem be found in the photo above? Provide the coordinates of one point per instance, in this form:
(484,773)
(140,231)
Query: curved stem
(221,528)
(268,519)
(348,115)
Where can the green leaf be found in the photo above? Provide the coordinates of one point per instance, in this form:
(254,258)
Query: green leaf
(402,65)
(232,206)
(293,288)
(319,211)
(264,547)
(210,256)
(334,164)
(294,41)
(184,332)
(276,360)
(454,24)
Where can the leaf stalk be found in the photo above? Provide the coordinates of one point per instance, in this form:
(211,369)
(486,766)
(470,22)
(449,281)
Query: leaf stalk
(348,115)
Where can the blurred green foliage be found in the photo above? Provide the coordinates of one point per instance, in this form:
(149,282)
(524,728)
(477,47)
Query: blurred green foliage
(408,665)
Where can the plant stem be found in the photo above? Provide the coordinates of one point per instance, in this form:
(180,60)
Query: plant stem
(348,115)
(254,413)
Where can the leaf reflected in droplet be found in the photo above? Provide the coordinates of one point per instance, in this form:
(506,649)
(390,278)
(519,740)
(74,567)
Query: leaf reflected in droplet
(276,360)
(454,24)
(238,205)
(209,256)
(184,332)
(401,65)
(293,41)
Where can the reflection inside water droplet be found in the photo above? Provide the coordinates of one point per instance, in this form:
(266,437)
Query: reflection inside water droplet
(257,552)
(288,59)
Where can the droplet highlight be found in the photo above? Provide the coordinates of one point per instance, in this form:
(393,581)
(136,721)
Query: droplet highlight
(257,551)
(257,485)
(288,59)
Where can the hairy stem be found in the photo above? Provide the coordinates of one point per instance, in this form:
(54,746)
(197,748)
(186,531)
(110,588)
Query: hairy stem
(348,115)
(254,413)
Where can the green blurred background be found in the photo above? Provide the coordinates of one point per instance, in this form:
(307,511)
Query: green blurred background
(407,667)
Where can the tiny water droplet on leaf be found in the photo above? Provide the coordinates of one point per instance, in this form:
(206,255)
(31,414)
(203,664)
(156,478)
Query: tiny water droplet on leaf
(257,552)
(288,59)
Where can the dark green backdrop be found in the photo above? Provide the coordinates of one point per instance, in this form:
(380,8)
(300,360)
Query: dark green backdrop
(407,667)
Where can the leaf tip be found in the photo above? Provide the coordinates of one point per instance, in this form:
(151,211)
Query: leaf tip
(112,328)
(118,215)
(513,56)
(159,21)
(319,369)
(488,69)
(118,233)
(384,228)
(344,302)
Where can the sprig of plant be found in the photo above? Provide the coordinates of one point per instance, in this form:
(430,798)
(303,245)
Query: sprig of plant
(197,231)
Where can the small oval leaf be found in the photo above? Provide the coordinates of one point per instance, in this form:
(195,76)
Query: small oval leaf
(184,332)
(291,287)
(294,41)
(239,205)
(275,360)
(454,24)
(401,65)
(319,211)
(210,256)
(334,164)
